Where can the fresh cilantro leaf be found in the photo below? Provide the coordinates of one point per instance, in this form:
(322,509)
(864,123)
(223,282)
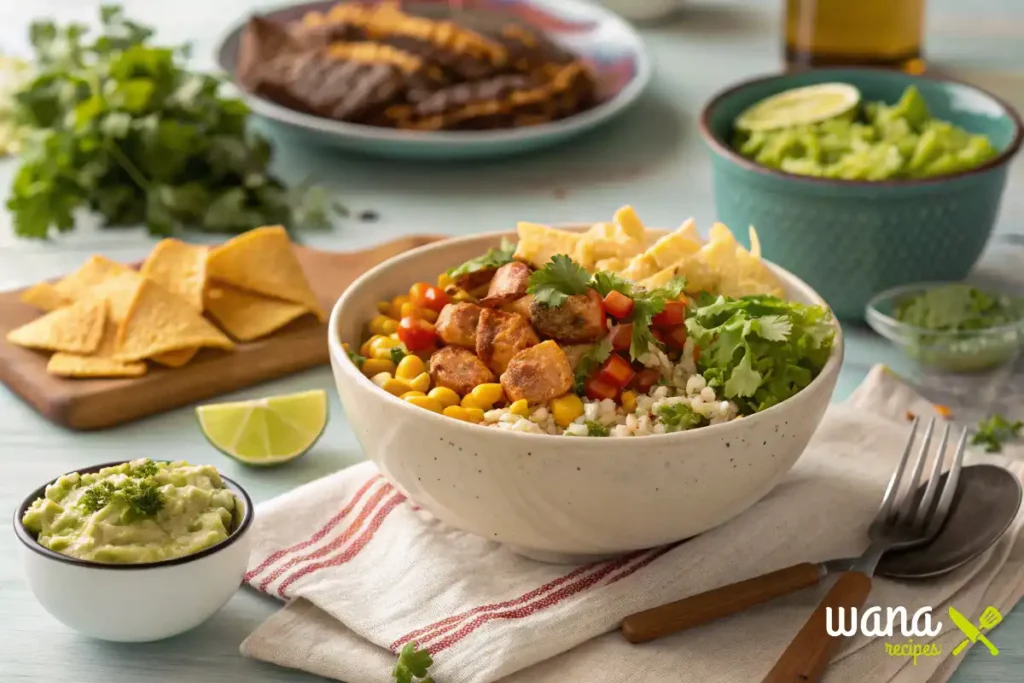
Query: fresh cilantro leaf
(596,429)
(591,361)
(146,468)
(356,359)
(97,496)
(759,350)
(397,354)
(494,258)
(672,289)
(994,431)
(646,305)
(558,280)
(678,416)
(956,308)
(605,282)
(139,497)
(412,664)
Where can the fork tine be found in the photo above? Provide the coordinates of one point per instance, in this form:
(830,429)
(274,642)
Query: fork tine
(905,511)
(949,487)
(925,506)
(894,481)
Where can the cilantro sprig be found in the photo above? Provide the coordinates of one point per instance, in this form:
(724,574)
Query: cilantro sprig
(123,128)
(139,497)
(679,417)
(760,350)
(412,665)
(994,431)
(494,258)
(561,278)
(589,362)
(596,429)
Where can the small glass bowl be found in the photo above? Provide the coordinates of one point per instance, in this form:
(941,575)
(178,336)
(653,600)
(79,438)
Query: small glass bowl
(969,351)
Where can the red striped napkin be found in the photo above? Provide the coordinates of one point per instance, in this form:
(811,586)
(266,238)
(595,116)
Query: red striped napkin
(363,572)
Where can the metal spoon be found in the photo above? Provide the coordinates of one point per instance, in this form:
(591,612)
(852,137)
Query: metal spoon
(986,502)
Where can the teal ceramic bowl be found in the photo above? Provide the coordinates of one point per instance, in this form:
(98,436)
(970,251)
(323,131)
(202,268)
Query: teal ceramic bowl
(850,240)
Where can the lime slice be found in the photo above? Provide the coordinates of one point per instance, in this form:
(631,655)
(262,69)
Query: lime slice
(265,431)
(800,106)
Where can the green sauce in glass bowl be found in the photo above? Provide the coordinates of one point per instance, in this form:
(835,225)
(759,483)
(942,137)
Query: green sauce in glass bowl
(950,327)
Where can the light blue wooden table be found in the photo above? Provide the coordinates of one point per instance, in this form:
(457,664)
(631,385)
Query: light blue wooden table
(652,158)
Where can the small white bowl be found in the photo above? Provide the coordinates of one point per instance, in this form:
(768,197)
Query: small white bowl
(135,603)
(558,498)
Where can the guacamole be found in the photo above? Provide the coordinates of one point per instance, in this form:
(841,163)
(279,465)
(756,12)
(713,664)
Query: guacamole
(875,141)
(136,512)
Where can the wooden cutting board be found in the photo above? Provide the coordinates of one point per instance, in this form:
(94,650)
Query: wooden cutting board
(98,403)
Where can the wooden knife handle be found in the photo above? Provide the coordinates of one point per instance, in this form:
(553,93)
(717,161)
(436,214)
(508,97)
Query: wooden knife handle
(808,654)
(721,602)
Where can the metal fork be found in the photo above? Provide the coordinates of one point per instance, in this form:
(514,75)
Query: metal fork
(903,521)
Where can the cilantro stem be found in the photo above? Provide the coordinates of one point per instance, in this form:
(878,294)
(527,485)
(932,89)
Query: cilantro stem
(130,168)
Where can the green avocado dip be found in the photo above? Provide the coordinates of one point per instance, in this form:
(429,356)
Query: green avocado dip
(873,141)
(136,512)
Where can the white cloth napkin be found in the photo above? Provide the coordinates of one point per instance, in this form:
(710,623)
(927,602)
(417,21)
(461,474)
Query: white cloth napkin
(364,572)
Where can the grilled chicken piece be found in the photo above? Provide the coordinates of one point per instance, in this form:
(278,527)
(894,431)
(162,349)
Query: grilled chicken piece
(521,306)
(458,369)
(500,336)
(477,278)
(537,374)
(579,319)
(456,324)
(509,284)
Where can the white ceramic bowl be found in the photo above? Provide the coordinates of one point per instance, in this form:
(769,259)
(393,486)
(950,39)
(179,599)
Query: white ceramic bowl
(134,603)
(556,498)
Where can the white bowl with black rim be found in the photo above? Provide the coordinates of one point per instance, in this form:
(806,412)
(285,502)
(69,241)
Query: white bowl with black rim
(135,602)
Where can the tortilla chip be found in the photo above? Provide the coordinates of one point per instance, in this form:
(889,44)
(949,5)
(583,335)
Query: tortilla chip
(158,322)
(175,359)
(246,316)
(179,268)
(76,329)
(262,261)
(119,290)
(96,270)
(99,364)
(45,297)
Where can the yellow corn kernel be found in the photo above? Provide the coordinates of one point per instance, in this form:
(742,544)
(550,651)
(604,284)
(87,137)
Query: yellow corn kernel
(382,324)
(396,305)
(375,366)
(445,396)
(381,348)
(464,414)
(410,310)
(628,400)
(420,382)
(410,367)
(487,394)
(411,394)
(389,384)
(470,401)
(444,279)
(566,408)
(365,349)
(384,307)
(431,404)
(520,407)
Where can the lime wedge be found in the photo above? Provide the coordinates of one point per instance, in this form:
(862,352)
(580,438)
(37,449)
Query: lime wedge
(265,431)
(800,106)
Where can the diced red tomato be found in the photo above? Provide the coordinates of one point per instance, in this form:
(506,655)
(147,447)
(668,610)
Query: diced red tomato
(415,333)
(622,337)
(428,296)
(673,314)
(644,380)
(618,305)
(675,337)
(595,297)
(598,389)
(616,370)
(660,336)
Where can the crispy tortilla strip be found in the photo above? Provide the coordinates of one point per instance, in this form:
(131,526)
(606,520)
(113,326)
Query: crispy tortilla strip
(96,270)
(262,261)
(179,268)
(45,297)
(246,316)
(175,359)
(99,364)
(76,329)
(158,322)
(119,290)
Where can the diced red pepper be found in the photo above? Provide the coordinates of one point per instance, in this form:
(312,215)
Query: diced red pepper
(622,337)
(428,296)
(599,390)
(415,333)
(674,337)
(595,297)
(673,314)
(618,305)
(644,380)
(616,370)
(696,353)
(660,336)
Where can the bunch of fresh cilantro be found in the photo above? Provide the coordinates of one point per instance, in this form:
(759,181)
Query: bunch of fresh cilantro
(412,665)
(123,128)
(759,350)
